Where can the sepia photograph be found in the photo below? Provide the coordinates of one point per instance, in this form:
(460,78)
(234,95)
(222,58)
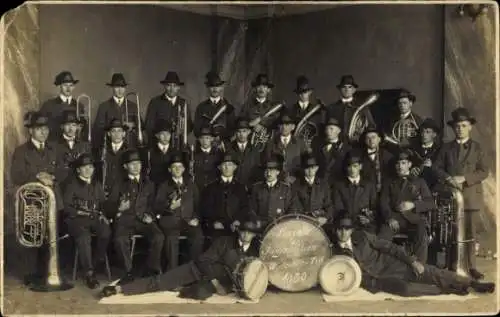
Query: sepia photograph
(249,158)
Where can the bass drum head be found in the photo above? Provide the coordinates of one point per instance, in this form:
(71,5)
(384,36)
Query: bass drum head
(294,248)
(340,275)
(255,279)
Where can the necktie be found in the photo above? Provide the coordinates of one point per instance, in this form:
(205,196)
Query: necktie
(41,147)
(462,149)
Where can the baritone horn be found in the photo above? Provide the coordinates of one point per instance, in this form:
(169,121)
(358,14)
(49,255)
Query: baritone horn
(140,137)
(87,115)
(36,227)
(358,123)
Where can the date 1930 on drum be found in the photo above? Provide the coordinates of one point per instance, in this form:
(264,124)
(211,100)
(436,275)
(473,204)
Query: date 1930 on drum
(293,278)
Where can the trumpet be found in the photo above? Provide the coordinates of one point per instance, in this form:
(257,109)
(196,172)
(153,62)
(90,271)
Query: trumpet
(358,124)
(191,162)
(87,115)
(104,165)
(180,127)
(140,138)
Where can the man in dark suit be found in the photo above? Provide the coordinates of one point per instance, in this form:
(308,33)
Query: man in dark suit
(356,195)
(377,160)
(344,109)
(248,156)
(288,146)
(225,201)
(130,204)
(330,150)
(387,267)
(84,210)
(426,147)
(166,107)
(114,108)
(461,164)
(404,202)
(160,152)
(271,198)
(311,195)
(216,111)
(69,146)
(54,107)
(205,274)
(206,157)
(177,210)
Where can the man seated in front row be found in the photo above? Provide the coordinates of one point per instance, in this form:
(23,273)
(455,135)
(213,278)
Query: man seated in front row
(404,201)
(209,273)
(387,267)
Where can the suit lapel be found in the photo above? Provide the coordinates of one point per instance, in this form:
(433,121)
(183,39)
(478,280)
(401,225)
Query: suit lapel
(467,153)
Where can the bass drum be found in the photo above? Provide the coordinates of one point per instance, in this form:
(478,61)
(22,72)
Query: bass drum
(294,247)
(341,275)
(252,277)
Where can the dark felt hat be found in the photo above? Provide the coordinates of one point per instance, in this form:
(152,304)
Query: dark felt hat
(131,156)
(117,80)
(345,221)
(407,94)
(228,157)
(242,123)
(64,77)
(69,116)
(352,157)
(206,130)
(402,155)
(172,78)
(429,123)
(285,119)
(347,80)
(35,119)
(83,159)
(251,226)
(162,125)
(308,160)
(178,157)
(212,79)
(332,121)
(116,123)
(262,79)
(459,115)
(274,161)
(302,85)
(371,129)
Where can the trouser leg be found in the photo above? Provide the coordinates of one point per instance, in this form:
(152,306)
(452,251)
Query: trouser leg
(386,232)
(444,279)
(172,249)
(470,234)
(103,233)
(156,239)
(421,242)
(196,239)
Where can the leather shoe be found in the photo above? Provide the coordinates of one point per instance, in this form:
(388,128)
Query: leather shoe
(483,287)
(108,291)
(127,278)
(475,274)
(91,281)
(456,290)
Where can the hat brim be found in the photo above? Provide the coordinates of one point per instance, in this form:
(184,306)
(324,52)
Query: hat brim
(453,122)
(117,84)
(124,127)
(166,82)
(75,81)
(269,85)
(215,84)
(342,85)
(302,90)
(232,161)
(35,125)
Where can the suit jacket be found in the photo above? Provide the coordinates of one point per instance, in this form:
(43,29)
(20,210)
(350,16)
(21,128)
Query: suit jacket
(386,165)
(28,161)
(427,172)
(206,110)
(53,109)
(160,108)
(318,118)
(249,170)
(252,109)
(330,162)
(114,165)
(109,110)
(159,163)
(344,112)
(66,156)
(224,203)
(189,200)
(292,153)
(308,199)
(270,203)
(347,197)
(472,166)
(84,197)
(141,197)
(415,190)
(205,166)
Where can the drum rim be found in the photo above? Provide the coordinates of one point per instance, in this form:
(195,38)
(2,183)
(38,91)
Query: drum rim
(240,287)
(355,266)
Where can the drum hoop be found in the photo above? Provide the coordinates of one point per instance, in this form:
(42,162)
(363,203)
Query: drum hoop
(348,259)
(297,217)
(238,272)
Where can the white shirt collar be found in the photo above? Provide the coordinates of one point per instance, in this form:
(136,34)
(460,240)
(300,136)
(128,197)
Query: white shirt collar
(260,100)
(462,141)
(117,146)
(215,100)
(227,179)
(428,146)
(346,100)
(206,150)
(285,139)
(346,245)
(66,99)
(244,145)
(310,181)
(333,141)
(303,104)
(119,101)
(86,180)
(272,184)
(172,100)
(354,180)
(245,246)
(163,147)
(405,115)
(131,177)
(67,138)
(178,180)
(371,151)
(36,143)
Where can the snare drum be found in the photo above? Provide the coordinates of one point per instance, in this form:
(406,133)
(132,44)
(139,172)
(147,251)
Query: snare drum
(251,278)
(340,275)
(294,247)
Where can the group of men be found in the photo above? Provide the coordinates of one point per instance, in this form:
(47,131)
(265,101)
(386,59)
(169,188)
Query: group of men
(161,188)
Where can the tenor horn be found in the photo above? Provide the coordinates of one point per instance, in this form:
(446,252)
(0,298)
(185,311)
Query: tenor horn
(36,227)
(87,115)
(140,137)
(359,124)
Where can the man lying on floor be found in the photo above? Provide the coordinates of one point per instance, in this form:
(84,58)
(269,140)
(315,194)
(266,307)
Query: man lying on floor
(388,268)
(199,279)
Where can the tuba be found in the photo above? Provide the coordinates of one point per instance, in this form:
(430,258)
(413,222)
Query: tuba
(358,124)
(86,115)
(448,231)
(403,130)
(36,227)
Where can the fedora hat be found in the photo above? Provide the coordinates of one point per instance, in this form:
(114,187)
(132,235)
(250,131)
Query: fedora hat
(228,157)
(345,221)
(212,79)
(459,115)
(371,129)
(274,161)
(429,123)
(353,157)
(403,155)
(286,119)
(251,226)
(302,85)
(262,79)
(35,119)
(117,80)
(116,123)
(347,80)
(308,160)
(332,121)
(172,78)
(242,123)
(162,125)
(69,116)
(64,77)
(131,156)
(407,94)
(206,130)
(178,157)
(82,160)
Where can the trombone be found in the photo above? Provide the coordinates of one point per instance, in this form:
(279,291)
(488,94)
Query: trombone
(87,115)
(140,138)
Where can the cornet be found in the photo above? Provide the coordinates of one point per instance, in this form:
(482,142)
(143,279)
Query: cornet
(86,115)
(140,137)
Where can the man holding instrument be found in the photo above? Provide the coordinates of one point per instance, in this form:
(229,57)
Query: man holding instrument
(209,273)
(160,152)
(84,210)
(216,111)
(462,165)
(426,147)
